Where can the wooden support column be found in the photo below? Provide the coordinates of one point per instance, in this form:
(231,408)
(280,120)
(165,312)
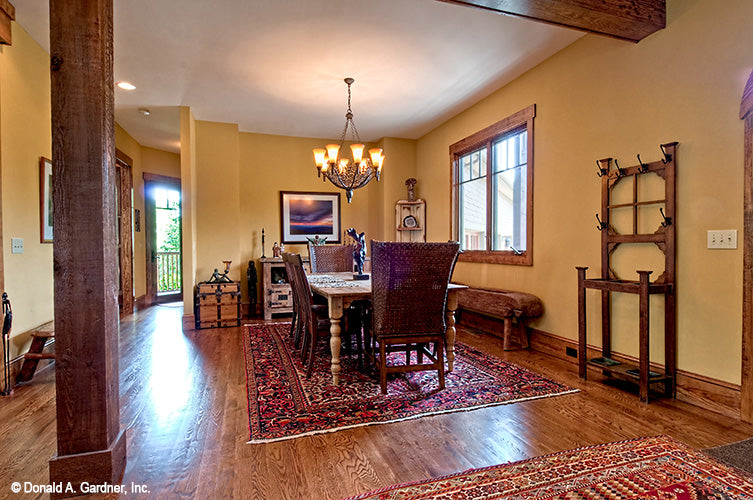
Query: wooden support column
(746,395)
(7,14)
(90,445)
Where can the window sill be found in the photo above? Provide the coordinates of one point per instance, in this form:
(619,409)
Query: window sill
(497,257)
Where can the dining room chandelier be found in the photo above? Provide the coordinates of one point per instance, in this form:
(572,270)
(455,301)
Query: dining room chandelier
(345,173)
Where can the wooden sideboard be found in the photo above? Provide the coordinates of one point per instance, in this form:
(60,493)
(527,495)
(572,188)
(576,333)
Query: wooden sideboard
(277,297)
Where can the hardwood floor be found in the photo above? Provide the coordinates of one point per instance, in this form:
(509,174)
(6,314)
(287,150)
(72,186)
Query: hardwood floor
(183,401)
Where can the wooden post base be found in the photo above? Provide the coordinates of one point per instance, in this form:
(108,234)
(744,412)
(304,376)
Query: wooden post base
(94,468)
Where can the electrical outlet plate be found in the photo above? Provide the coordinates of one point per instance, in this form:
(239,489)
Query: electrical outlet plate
(16,245)
(721,239)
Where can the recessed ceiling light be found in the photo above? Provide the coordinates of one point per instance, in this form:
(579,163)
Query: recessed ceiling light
(126,85)
(145,111)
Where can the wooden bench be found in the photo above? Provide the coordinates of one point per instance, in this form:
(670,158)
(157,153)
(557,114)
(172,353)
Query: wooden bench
(516,309)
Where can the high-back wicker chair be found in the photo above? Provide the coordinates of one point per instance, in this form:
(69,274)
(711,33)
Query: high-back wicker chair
(409,293)
(312,318)
(331,258)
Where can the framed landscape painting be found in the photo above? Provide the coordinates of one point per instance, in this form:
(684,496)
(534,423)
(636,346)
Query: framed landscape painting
(309,214)
(45,200)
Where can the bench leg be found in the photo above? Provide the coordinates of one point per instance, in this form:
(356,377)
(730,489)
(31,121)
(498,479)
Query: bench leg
(519,330)
(507,334)
(523,335)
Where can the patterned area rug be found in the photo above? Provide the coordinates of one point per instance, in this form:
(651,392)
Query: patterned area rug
(283,404)
(658,468)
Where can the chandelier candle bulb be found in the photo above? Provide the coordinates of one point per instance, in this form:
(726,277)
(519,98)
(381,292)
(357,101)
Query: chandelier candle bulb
(357,150)
(319,155)
(332,151)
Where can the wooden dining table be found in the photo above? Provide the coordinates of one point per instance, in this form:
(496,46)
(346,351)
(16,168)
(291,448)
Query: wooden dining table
(341,290)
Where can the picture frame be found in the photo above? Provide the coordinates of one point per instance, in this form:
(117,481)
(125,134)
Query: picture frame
(307,214)
(45,200)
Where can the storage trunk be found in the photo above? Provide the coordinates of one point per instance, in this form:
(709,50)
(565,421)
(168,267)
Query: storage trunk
(217,305)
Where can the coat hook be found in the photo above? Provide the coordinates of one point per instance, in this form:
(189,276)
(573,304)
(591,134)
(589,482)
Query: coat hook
(667,157)
(601,170)
(643,168)
(602,225)
(620,171)
(667,220)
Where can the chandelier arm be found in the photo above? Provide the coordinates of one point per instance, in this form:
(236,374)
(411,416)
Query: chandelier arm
(340,183)
(364,181)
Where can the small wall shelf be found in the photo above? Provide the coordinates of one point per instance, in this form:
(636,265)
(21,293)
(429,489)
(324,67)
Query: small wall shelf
(410,220)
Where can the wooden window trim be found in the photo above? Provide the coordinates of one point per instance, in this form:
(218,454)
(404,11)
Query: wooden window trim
(523,118)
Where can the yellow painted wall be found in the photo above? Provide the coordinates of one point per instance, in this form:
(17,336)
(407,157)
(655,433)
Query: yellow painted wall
(217,199)
(606,98)
(270,164)
(399,165)
(24,138)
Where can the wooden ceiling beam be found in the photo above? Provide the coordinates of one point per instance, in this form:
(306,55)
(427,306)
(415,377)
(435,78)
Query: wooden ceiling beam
(7,14)
(631,20)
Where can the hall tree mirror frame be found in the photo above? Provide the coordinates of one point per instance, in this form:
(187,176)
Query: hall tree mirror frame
(746,391)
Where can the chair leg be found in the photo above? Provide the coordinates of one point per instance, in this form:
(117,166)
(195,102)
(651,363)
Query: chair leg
(291,334)
(383,367)
(298,339)
(440,360)
(311,353)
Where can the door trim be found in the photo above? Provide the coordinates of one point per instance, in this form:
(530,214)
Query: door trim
(124,169)
(150,182)
(746,392)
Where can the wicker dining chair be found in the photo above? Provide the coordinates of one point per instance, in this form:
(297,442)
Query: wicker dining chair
(331,258)
(312,318)
(409,292)
(335,259)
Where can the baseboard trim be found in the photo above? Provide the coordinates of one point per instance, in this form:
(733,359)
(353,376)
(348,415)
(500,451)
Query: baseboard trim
(705,392)
(189,322)
(708,393)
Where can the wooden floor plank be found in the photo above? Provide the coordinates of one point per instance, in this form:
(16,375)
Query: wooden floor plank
(183,400)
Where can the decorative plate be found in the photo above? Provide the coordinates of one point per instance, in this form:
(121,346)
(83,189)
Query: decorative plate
(410,221)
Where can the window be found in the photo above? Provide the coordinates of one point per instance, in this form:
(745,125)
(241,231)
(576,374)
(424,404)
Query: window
(492,176)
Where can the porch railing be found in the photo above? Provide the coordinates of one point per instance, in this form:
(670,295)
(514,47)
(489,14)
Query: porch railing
(168,272)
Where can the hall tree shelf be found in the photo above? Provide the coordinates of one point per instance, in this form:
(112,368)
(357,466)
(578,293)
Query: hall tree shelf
(664,238)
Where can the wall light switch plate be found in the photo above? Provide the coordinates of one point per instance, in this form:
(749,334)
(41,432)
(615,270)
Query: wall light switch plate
(722,239)
(16,245)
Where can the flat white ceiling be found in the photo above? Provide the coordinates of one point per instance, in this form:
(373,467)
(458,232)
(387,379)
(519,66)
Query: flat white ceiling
(277,66)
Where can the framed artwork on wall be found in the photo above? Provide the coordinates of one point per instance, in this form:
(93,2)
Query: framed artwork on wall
(45,200)
(309,214)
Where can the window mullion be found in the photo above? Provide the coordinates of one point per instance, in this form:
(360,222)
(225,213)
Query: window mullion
(489,197)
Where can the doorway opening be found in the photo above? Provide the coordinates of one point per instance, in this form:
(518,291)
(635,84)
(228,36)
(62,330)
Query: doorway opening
(163,238)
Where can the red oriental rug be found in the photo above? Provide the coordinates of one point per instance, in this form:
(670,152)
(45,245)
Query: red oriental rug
(657,468)
(283,404)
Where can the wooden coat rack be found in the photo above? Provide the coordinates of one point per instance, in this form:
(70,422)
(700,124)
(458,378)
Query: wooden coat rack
(664,238)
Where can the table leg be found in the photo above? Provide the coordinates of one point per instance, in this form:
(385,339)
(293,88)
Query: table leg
(335,315)
(452,305)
